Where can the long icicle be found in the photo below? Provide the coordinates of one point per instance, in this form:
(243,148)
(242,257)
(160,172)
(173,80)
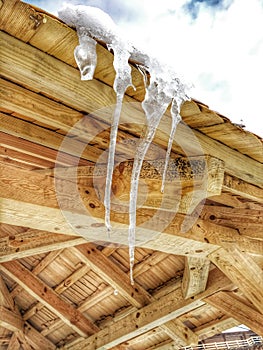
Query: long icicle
(121,83)
(176,118)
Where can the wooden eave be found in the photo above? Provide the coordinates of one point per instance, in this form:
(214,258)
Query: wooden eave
(66,285)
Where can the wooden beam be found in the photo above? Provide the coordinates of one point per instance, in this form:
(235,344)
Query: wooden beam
(176,329)
(233,306)
(10,320)
(41,136)
(33,149)
(111,274)
(188,181)
(5,298)
(87,97)
(40,291)
(215,327)
(25,194)
(155,314)
(195,276)
(243,272)
(13,344)
(33,242)
(243,188)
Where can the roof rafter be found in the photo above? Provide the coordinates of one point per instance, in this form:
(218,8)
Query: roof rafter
(39,290)
(229,303)
(160,311)
(83,98)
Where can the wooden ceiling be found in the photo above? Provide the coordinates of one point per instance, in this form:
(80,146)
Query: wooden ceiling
(63,282)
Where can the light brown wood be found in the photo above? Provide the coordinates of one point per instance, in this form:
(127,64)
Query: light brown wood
(13,343)
(232,305)
(176,329)
(245,273)
(33,242)
(195,276)
(113,275)
(10,320)
(48,297)
(47,138)
(149,316)
(87,97)
(216,327)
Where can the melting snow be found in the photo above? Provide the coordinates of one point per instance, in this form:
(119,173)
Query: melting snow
(163,89)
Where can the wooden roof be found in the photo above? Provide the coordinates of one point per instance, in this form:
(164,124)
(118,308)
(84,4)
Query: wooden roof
(61,290)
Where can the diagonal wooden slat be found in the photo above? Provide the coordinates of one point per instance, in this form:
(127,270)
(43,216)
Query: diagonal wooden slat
(39,290)
(148,317)
(234,307)
(243,271)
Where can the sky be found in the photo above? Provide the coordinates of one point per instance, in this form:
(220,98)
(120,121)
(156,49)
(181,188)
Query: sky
(215,45)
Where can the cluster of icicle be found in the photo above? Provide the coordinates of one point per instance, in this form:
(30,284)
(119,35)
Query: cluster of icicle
(162,89)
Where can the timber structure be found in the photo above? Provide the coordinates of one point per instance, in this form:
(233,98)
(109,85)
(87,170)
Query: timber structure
(64,283)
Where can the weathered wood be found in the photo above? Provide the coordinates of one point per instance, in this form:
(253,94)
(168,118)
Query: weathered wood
(33,242)
(158,312)
(195,276)
(176,329)
(243,271)
(242,188)
(35,287)
(188,182)
(5,298)
(232,306)
(39,151)
(47,138)
(64,285)
(21,187)
(10,320)
(215,327)
(113,275)
(87,97)
(13,343)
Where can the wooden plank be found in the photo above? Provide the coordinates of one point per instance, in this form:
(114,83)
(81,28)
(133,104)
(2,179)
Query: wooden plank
(236,138)
(26,194)
(44,111)
(87,96)
(34,242)
(5,298)
(158,312)
(10,320)
(41,242)
(112,274)
(189,180)
(242,188)
(64,285)
(33,149)
(176,329)
(232,306)
(10,154)
(13,344)
(39,290)
(47,138)
(195,276)
(243,272)
(215,327)
(36,339)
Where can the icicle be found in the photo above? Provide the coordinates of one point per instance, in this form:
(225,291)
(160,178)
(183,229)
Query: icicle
(164,88)
(86,56)
(175,121)
(154,106)
(121,83)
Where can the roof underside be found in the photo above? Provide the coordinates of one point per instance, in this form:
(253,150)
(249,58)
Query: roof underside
(63,281)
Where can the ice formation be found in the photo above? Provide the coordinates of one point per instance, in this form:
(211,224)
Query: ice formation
(163,89)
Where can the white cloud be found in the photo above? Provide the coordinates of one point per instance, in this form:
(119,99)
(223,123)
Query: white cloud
(220,50)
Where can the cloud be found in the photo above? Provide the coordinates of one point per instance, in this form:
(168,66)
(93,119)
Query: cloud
(215,44)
